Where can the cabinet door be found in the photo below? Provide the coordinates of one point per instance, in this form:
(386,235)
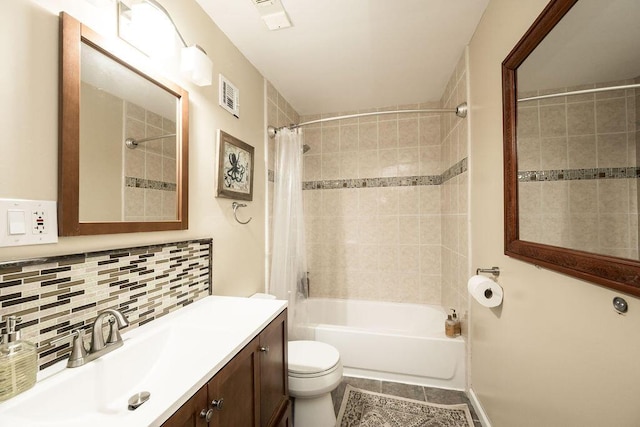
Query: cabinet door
(274,390)
(233,392)
(189,414)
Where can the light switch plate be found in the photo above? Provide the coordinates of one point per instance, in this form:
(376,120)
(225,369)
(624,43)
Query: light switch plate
(28,222)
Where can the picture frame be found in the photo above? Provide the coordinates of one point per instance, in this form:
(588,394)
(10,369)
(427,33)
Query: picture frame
(235,168)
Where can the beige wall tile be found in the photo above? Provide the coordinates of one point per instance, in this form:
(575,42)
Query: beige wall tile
(553,121)
(409,161)
(388,134)
(349,138)
(583,197)
(612,150)
(330,139)
(610,115)
(409,132)
(368,165)
(368,136)
(581,118)
(582,152)
(613,196)
(330,166)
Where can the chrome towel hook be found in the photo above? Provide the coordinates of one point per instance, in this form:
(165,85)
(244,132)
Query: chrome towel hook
(235,206)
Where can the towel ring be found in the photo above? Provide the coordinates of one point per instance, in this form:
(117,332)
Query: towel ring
(235,206)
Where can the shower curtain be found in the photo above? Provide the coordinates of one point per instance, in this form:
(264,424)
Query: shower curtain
(288,260)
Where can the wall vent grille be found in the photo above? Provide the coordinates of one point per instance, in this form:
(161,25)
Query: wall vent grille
(229,96)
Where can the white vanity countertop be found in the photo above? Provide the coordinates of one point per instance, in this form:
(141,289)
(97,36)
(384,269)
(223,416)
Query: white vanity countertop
(171,358)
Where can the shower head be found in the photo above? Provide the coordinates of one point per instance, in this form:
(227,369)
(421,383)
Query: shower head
(305,148)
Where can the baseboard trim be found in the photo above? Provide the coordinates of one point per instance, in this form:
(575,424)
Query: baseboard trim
(482,416)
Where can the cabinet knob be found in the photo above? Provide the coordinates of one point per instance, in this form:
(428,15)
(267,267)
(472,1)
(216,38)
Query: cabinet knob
(217,403)
(264,349)
(206,414)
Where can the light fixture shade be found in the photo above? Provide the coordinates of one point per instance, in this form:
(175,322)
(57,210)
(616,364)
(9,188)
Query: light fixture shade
(196,66)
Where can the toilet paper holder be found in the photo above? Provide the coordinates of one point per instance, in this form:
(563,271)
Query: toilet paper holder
(493,270)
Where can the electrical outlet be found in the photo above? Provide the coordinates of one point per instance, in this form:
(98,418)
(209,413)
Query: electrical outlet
(39,223)
(27,222)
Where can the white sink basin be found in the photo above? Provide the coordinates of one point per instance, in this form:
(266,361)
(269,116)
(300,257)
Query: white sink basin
(171,358)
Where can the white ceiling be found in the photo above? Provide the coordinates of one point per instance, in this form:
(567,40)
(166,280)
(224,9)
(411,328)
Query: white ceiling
(345,55)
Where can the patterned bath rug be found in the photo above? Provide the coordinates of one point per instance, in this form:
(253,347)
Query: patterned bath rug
(362,408)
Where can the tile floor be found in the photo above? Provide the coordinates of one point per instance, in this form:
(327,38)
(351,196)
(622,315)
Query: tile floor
(409,391)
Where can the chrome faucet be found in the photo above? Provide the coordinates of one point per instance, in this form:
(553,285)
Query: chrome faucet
(80,355)
(114,340)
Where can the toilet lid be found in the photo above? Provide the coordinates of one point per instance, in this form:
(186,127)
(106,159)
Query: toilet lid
(308,357)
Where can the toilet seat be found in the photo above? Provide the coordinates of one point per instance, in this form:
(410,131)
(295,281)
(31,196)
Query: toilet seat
(309,359)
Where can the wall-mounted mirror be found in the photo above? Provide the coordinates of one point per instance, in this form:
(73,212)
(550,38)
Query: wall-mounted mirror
(123,139)
(571,88)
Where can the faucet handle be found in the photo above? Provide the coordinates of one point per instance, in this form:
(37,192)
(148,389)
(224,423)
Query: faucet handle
(114,331)
(78,350)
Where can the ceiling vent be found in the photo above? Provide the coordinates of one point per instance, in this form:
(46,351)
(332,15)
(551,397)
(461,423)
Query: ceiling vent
(272,13)
(229,96)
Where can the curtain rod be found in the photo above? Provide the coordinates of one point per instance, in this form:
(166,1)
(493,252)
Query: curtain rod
(579,92)
(133,143)
(460,110)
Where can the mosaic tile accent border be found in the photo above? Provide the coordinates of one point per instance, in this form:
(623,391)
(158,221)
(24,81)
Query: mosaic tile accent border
(148,183)
(579,174)
(401,181)
(56,295)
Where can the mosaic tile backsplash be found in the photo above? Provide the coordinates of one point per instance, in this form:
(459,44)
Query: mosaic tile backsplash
(56,295)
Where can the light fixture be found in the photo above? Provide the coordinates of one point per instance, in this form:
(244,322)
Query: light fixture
(147,25)
(196,65)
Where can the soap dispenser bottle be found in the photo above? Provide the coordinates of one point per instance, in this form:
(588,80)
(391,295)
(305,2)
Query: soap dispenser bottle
(18,361)
(457,328)
(452,326)
(449,327)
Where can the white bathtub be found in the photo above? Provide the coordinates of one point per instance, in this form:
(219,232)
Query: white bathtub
(390,341)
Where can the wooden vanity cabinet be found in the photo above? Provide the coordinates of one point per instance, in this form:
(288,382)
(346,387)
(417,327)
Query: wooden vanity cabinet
(274,375)
(249,391)
(189,414)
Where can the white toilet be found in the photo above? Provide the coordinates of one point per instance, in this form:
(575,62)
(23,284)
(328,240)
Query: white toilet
(315,370)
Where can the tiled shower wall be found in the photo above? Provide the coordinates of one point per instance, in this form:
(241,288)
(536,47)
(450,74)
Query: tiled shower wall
(150,169)
(454,194)
(386,204)
(56,295)
(577,162)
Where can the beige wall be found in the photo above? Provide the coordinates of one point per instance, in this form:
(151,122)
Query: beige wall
(555,353)
(28,164)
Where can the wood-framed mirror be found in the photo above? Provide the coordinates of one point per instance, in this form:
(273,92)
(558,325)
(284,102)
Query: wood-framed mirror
(570,119)
(123,139)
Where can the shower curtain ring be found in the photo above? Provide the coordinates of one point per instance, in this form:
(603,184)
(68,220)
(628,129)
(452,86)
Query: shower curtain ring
(235,206)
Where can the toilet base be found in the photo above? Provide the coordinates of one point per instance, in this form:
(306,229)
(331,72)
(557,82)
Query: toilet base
(314,411)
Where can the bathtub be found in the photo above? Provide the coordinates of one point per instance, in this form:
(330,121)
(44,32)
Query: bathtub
(389,341)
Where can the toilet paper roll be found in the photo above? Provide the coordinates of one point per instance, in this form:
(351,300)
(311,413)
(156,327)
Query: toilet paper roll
(487,292)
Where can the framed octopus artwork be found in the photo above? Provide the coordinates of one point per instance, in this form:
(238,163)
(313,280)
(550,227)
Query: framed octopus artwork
(235,168)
